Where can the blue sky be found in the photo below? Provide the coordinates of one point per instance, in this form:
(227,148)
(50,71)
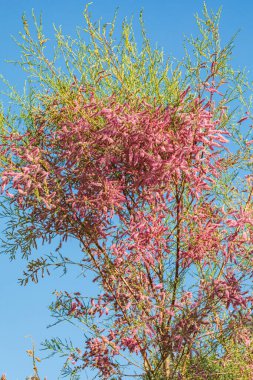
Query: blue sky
(24,311)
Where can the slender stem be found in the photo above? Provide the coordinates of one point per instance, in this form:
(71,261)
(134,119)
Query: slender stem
(178,237)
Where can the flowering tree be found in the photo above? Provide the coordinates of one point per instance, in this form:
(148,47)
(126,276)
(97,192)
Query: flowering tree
(146,168)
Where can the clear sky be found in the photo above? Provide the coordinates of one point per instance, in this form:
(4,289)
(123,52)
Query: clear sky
(24,311)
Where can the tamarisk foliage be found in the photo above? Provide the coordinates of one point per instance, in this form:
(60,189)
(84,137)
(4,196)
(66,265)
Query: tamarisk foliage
(148,169)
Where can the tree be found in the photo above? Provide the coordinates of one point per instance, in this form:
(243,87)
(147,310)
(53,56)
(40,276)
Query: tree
(149,169)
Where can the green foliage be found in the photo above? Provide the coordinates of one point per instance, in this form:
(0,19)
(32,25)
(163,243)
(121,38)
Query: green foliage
(234,363)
